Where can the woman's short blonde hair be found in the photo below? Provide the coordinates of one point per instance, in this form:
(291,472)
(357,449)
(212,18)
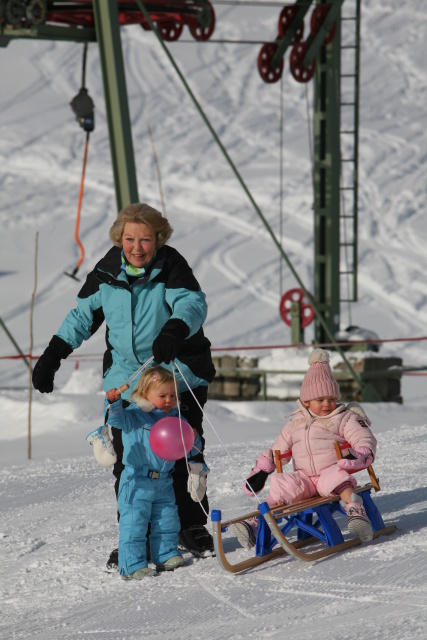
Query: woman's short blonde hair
(141,213)
(151,378)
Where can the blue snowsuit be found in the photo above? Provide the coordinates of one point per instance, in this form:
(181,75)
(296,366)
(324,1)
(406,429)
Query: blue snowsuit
(146,493)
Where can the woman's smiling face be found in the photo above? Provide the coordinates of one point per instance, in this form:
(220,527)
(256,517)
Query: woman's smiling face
(139,243)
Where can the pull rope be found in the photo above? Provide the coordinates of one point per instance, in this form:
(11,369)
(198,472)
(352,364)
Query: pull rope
(125,386)
(79,208)
(182,435)
(174,363)
(83,107)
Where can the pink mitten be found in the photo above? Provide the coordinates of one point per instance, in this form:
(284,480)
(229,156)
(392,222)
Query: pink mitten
(362,459)
(259,475)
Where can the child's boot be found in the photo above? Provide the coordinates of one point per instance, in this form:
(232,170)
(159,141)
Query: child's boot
(170,564)
(139,574)
(358,523)
(245,532)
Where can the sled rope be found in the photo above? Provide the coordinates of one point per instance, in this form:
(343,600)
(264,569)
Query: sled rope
(125,386)
(136,374)
(180,428)
(213,429)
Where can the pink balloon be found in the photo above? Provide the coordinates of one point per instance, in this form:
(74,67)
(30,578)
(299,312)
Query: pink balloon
(166,440)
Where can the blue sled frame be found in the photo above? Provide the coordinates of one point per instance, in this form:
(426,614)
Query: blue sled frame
(314,522)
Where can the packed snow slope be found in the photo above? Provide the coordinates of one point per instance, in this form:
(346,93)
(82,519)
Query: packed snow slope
(58,510)
(58,526)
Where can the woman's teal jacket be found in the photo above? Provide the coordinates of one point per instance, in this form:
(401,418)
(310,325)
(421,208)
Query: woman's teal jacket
(135,312)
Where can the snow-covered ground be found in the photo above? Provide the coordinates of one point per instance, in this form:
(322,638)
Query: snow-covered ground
(58,526)
(58,510)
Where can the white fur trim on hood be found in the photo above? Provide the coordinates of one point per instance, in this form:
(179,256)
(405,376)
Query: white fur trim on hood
(143,404)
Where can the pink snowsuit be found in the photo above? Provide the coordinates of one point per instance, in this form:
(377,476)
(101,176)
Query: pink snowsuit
(311,441)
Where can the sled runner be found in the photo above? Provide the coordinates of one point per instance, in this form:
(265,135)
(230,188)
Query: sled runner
(311,521)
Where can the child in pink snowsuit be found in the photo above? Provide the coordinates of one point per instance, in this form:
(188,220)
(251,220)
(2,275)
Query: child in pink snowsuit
(309,436)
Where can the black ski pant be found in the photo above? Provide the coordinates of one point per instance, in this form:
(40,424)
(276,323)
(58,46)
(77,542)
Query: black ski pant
(189,511)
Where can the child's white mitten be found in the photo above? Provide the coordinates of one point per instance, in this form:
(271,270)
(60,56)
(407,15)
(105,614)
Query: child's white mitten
(102,446)
(197,480)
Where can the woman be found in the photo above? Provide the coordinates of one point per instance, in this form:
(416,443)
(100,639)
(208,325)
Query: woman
(152,305)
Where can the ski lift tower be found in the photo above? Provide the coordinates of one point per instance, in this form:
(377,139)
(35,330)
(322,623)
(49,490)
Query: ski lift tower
(99,21)
(335,69)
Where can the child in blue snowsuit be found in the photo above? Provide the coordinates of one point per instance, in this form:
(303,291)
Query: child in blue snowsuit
(146,493)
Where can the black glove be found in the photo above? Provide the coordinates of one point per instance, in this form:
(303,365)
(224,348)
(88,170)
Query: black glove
(169,342)
(257,481)
(49,363)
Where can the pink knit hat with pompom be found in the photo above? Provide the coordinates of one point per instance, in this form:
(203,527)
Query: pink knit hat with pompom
(319,381)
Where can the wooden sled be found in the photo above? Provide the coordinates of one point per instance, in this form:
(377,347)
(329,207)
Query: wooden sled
(312,521)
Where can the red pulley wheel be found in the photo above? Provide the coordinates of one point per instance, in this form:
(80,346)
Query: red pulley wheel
(318,17)
(170,30)
(265,56)
(299,72)
(286,18)
(203,33)
(306,310)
